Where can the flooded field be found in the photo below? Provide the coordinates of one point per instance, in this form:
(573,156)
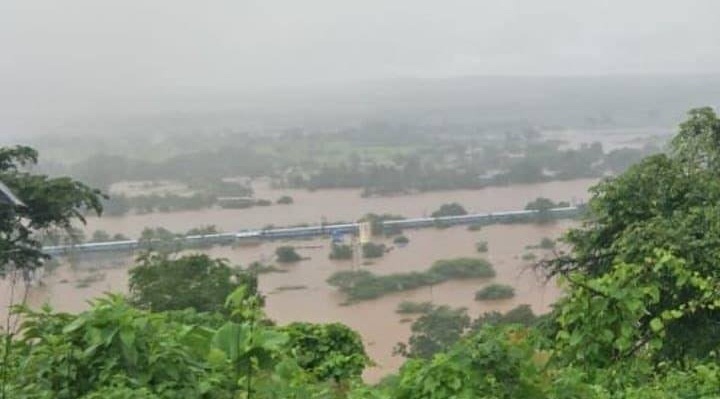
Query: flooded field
(343,205)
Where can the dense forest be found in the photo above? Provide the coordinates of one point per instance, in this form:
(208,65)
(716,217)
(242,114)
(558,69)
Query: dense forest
(638,318)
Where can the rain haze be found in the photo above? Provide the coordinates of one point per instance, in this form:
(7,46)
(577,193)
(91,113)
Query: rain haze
(62,62)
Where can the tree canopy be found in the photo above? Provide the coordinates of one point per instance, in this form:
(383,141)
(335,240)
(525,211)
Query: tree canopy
(49,203)
(159,283)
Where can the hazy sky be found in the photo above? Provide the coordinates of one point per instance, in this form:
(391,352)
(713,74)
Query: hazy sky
(68,56)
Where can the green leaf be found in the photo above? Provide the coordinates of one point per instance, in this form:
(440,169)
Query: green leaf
(656,325)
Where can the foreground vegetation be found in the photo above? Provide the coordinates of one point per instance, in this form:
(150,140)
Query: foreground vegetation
(638,318)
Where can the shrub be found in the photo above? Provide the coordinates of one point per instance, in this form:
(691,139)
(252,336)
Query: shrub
(287,254)
(451,209)
(540,204)
(495,291)
(401,240)
(462,268)
(341,252)
(328,351)
(372,250)
(161,283)
(481,246)
(410,307)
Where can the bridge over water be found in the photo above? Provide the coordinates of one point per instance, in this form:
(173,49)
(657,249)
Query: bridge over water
(324,230)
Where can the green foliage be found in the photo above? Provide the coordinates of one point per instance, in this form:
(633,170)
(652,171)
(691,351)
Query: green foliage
(655,226)
(372,250)
(495,291)
(451,209)
(521,314)
(341,252)
(434,331)
(287,254)
(363,285)
(49,203)
(481,246)
(541,204)
(327,351)
(112,349)
(494,363)
(159,283)
(462,268)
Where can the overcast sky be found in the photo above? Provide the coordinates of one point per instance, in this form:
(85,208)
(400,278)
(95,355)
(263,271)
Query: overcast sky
(68,56)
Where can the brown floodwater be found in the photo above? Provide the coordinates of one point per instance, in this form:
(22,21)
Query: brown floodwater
(313,207)
(69,287)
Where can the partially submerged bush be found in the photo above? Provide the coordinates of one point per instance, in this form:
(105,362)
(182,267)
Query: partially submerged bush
(287,254)
(285,200)
(451,209)
(495,291)
(372,250)
(341,252)
(401,240)
(410,307)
